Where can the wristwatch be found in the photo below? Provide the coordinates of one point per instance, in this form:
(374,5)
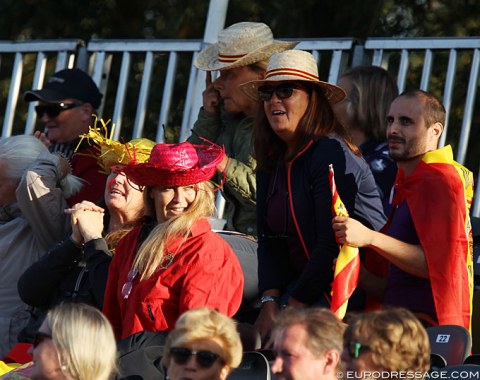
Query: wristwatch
(265,299)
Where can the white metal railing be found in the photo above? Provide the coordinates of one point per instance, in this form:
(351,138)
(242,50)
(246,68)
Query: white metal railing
(62,51)
(158,76)
(440,54)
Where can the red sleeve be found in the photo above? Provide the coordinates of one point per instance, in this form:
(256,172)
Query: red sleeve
(112,301)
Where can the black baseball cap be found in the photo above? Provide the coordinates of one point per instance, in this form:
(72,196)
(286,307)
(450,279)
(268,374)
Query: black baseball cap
(67,84)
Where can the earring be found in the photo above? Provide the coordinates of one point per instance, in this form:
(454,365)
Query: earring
(63,367)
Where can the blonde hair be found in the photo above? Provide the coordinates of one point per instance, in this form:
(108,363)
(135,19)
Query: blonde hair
(153,250)
(396,332)
(84,340)
(205,323)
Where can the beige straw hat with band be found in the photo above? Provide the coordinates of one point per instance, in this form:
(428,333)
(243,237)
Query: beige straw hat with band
(293,65)
(239,45)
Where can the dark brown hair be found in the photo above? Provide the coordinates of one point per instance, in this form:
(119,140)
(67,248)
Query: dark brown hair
(433,109)
(318,121)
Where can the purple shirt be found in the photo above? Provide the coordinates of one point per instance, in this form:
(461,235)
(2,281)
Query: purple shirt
(403,289)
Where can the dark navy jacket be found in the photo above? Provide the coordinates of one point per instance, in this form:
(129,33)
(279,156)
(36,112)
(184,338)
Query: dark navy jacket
(309,188)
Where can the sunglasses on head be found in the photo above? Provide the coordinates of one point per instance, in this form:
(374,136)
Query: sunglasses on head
(54,109)
(205,359)
(39,338)
(283,91)
(355,348)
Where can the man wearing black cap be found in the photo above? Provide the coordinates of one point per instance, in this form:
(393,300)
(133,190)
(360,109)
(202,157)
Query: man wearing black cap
(66,104)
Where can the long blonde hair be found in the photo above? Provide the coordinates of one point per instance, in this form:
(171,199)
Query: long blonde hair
(153,250)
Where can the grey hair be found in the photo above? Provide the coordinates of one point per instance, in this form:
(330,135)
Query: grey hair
(18,153)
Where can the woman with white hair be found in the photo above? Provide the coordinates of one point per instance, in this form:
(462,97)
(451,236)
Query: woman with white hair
(33,186)
(205,344)
(75,342)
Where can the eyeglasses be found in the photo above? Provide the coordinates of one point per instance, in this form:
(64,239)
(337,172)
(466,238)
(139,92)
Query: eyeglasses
(355,348)
(127,287)
(39,338)
(205,359)
(54,109)
(283,91)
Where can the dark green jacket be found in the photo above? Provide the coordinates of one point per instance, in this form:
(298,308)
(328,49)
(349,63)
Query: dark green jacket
(240,188)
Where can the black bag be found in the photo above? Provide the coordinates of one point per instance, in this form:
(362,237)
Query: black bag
(140,355)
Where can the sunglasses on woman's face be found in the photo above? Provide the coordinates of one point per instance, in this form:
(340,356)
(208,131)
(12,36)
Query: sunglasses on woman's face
(40,337)
(53,110)
(283,91)
(205,359)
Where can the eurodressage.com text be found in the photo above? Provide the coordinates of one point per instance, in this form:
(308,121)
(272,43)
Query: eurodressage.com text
(437,374)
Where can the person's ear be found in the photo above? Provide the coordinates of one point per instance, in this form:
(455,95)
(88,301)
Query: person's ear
(332,357)
(87,111)
(224,372)
(436,129)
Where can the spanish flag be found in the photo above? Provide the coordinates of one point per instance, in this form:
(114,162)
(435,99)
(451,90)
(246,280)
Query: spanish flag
(439,193)
(347,267)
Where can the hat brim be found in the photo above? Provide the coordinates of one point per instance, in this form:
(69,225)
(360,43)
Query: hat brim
(148,174)
(333,93)
(44,95)
(207,59)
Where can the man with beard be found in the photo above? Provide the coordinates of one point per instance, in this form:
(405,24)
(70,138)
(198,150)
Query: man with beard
(427,239)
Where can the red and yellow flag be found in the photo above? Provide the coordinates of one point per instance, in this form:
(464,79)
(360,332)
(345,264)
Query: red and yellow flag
(439,193)
(347,267)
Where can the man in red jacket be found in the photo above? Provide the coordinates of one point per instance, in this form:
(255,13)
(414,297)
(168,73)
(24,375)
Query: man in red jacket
(66,105)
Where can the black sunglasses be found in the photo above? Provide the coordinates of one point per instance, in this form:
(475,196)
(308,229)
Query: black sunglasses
(355,348)
(283,91)
(39,338)
(54,109)
(205,359)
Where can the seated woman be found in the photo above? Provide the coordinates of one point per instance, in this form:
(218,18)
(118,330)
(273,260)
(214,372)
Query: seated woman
(175,262)
(75,342)
(204,345)
(76,269)
(296,138)
(392,340)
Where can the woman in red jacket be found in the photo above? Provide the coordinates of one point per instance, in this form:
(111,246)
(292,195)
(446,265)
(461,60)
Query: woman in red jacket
(176,262)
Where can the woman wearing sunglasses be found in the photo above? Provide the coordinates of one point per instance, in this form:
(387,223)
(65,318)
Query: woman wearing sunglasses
(174,262)
(296,138)
(75,342)
(204,345)
(392,340)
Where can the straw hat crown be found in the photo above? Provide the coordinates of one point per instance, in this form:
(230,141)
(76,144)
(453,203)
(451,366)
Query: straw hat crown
(293,65)
(239,45)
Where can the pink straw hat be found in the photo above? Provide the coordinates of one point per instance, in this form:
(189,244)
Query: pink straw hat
(293,65)
(239,45)
(176,165)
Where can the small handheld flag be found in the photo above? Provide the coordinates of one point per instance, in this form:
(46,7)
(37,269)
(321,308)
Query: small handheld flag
(347,267)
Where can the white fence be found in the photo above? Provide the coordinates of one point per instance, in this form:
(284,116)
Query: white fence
(150,84)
